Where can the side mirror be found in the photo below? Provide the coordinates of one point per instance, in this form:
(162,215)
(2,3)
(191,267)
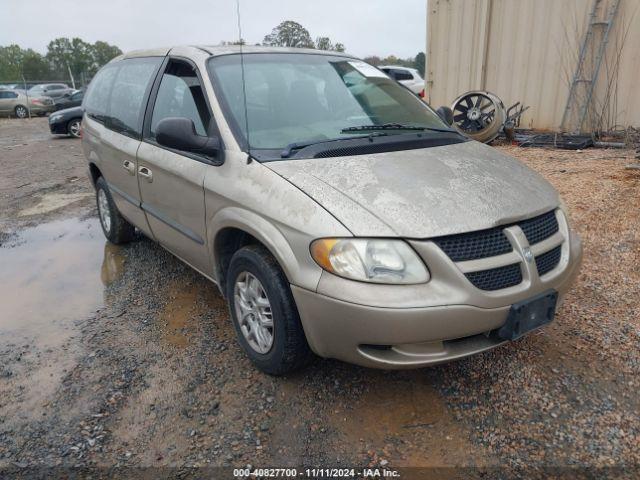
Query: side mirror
(179,133)
(446,114)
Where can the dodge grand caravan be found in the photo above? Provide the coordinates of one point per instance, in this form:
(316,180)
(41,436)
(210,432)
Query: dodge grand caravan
(337,213)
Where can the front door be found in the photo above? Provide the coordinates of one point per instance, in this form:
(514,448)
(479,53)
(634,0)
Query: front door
(171,182)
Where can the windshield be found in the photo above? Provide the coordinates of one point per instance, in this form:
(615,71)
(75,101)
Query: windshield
(306,98)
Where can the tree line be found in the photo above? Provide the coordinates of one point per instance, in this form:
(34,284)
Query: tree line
(66,59)
(292,34)
(75,61)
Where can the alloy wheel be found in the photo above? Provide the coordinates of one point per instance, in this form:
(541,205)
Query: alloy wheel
(21,112)
(74,128)
(253,312)
(103,210)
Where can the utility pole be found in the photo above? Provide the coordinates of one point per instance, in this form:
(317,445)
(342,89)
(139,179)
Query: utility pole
(73,82)
(26,92)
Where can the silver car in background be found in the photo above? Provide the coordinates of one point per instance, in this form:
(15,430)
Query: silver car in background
(52,90)
(337,213)
(18,103)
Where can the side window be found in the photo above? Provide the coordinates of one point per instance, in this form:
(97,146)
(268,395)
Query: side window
(76,96)
(390,71)
(181,95)
(127,100)
(402,75)
(96,100)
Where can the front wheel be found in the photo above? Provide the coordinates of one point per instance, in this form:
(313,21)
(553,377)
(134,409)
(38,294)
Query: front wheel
(73,128)
(264,313)
(21,111)
(114,225)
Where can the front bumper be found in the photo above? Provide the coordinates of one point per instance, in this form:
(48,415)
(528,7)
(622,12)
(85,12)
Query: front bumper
(58,128)
(393,327)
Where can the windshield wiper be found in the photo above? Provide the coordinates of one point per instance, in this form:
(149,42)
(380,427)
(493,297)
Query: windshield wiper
(288,150)
(392,126)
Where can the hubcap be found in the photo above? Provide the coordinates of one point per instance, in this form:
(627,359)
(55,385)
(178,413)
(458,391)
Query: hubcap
(103,210)
(253,312)
(74,129)
(21,112)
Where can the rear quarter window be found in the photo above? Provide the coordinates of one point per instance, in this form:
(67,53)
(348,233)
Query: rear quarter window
(117,94)
(130,90)
(96,100)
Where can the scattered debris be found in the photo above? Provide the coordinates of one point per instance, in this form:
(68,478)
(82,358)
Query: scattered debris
(555,140)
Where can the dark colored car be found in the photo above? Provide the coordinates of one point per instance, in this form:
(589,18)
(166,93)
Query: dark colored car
(66,122)
(69,100)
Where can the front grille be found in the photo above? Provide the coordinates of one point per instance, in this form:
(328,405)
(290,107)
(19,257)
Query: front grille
(539,228)
(548,260)
(493,242)
(474,245)
(496,278)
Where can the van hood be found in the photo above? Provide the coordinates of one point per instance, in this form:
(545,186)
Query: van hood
(422,193)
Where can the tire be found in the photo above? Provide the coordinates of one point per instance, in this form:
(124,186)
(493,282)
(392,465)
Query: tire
(289,350)
(115,227)
(73,128)
(21,111)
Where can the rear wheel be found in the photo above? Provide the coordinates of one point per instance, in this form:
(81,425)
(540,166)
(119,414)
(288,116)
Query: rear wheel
(115,227)
(264,313)
(73,128)
(21,111)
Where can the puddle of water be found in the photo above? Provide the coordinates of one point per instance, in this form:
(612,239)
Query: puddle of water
(53,201)
(53,275)
(112,264)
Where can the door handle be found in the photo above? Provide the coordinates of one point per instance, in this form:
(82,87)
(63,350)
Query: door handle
(145,173)
(129,166)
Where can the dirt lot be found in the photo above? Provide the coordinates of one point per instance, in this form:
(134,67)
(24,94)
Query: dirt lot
(115,357)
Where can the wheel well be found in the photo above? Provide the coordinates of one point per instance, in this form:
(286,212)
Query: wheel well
(228,241)
(95,173)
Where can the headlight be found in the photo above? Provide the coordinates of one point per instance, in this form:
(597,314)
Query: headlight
(55,118)
(370,260)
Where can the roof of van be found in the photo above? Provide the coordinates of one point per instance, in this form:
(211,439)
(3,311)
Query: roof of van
(225,50)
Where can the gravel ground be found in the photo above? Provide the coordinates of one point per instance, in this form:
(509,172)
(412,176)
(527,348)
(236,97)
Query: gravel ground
(123,357)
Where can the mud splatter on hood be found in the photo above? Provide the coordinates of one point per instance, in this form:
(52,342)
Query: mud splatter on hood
(422,193)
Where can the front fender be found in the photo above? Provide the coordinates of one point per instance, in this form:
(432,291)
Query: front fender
(294,257)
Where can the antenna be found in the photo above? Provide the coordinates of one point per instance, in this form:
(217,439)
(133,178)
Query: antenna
(244,84)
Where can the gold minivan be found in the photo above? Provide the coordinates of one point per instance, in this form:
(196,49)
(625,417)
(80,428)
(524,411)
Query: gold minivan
(338,213)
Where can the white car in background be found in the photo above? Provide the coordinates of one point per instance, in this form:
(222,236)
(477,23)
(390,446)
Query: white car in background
(409,77)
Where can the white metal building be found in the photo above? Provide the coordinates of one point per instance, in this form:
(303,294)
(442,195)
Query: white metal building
(528,50)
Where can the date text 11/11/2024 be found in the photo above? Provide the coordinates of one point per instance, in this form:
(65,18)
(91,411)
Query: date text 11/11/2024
(290,473)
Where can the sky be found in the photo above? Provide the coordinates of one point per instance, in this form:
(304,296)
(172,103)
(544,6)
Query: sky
(365,27)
